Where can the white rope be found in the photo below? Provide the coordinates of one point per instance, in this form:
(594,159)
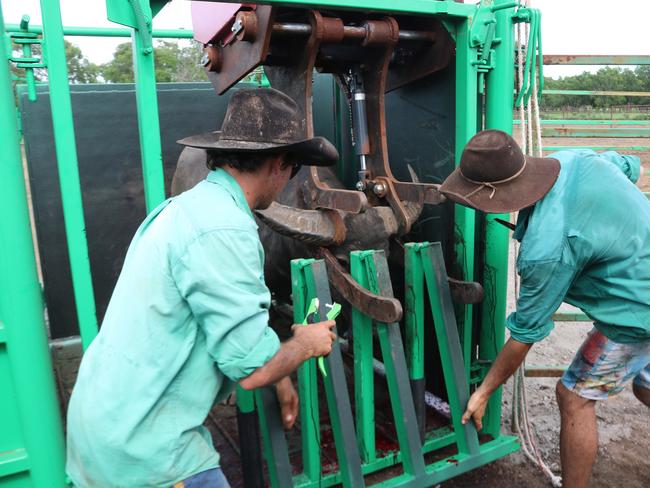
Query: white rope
(529,123)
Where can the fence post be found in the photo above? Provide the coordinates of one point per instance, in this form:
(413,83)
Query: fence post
(23,338)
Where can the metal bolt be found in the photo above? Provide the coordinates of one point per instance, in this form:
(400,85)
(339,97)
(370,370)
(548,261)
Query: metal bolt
(379,189)
(361,185)
(205,60)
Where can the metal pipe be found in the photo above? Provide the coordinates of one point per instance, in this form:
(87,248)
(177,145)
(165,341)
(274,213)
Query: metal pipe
(432,401)
(148,123)
(349,32)
(499,104)
(106,31)
(66,157)
(32,426)
(464,217)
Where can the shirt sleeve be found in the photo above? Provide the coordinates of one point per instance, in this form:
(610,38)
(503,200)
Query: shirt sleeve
(220,275)
(543,288)
(628,164)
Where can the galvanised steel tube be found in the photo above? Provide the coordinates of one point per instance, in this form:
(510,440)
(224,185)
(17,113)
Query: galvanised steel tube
(21,308)
(148,124)
(106,31)
(66,157)
(499,106)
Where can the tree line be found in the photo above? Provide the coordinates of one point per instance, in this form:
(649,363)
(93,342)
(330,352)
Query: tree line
(179,62)
(174,61)
(605,79)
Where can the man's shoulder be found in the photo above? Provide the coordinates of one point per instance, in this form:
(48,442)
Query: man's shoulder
(208,207)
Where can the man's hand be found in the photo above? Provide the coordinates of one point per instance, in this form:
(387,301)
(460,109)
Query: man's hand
(476,408)
(315,339)
(288,398)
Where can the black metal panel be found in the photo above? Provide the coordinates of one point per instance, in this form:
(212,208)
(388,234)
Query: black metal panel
(111,178)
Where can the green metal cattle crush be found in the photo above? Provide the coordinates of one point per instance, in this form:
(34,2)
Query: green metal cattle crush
(32,451)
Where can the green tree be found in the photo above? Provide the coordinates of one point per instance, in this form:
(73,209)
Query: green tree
(174,63)
(80,70)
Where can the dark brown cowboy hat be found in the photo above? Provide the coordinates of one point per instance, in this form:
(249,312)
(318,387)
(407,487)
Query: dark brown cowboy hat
(265,120)
(494,176)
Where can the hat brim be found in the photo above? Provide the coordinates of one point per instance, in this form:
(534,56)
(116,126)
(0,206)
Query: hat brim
(316,151)
(530,186)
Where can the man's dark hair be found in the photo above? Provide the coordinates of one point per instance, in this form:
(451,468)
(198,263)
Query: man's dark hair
(246,162)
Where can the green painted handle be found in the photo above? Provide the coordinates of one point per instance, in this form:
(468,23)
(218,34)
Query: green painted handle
(335,310)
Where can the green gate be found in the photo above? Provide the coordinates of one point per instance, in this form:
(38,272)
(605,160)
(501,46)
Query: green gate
(31,433)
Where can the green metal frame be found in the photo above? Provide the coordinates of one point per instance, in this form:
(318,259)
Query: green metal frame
(483,35)
(31,438)
(426,278)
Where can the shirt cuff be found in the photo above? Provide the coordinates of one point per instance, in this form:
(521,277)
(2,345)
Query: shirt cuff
(528,335)
(259,355)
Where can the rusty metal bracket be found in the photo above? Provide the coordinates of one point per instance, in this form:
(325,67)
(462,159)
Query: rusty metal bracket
(377,307)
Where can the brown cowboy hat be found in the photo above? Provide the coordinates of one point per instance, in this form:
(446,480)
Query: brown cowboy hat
(265,120)
(494,176)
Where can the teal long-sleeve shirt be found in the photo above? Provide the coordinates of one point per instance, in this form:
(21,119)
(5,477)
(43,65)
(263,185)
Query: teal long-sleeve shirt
(188,319)
(587,243)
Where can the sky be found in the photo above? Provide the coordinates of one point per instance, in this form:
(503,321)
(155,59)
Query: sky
(568,26)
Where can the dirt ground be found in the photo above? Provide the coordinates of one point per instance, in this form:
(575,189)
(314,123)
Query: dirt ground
(623,422)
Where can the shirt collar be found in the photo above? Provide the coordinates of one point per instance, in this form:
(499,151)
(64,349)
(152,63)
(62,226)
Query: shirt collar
(224,179)
(522,222)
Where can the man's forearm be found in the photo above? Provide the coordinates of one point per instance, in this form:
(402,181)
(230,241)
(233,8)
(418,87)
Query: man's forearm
(506,363)
(291,355)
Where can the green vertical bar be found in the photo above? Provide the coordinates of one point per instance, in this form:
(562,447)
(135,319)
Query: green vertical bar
(466,119)
(148,124)
(499,105)
(21,306)
(66,157)
(414,311)
(364,379)
(449,345)
(307,381)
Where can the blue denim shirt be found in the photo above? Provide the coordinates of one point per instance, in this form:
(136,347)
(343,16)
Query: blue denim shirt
(187,319)
(587,243)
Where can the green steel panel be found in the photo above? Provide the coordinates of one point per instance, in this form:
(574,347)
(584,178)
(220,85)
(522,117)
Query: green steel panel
(466,127)
(587,59)
(364,374)
(66,156)
(30,422)
(307,383)
(148,123)
(499,104)
(624,132)
(441,7)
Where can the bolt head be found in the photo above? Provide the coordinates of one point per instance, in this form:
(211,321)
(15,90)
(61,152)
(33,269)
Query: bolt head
(379,189)
(360,185)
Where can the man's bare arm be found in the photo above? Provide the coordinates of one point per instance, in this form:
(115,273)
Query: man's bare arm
(506,363)
(307,342)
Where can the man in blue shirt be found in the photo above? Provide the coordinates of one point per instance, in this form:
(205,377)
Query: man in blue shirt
(188,318)
(584,229)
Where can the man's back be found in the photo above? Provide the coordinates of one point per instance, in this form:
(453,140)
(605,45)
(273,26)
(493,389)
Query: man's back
(188,317)
(588,242)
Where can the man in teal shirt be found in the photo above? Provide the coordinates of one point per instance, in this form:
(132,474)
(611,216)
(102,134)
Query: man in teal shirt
(584,229)
(188,318)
